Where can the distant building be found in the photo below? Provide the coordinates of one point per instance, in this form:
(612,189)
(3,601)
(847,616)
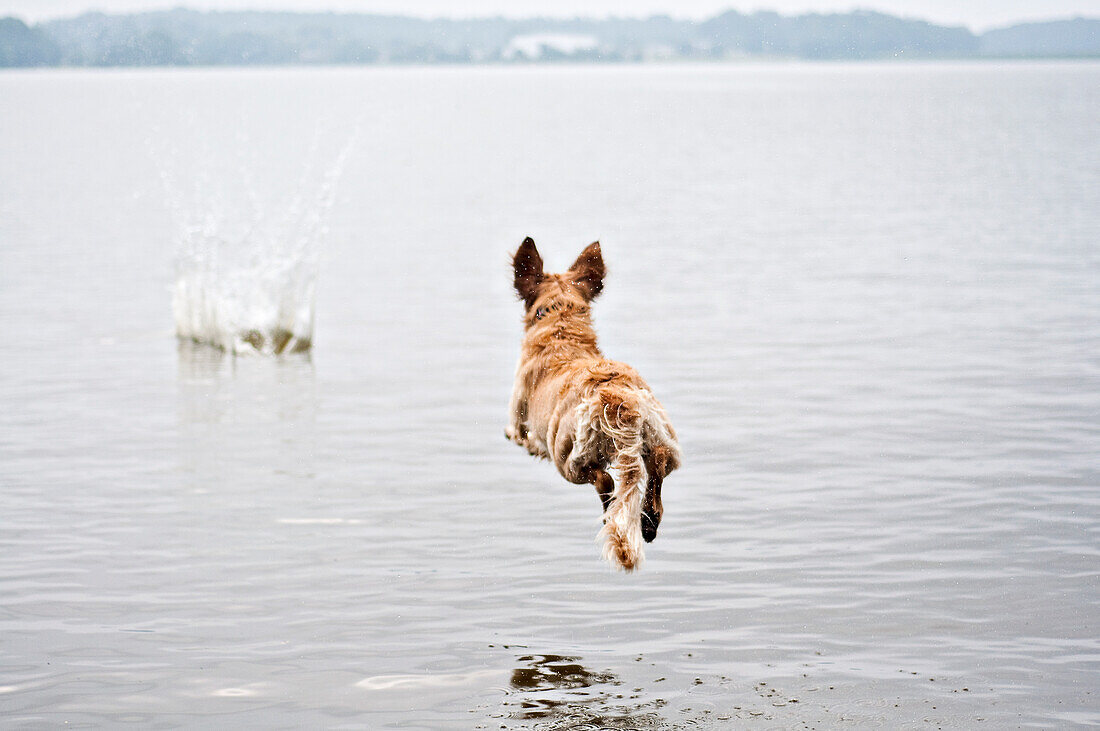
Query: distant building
(547,45)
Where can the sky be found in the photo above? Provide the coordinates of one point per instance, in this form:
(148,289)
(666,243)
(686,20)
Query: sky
(978,15)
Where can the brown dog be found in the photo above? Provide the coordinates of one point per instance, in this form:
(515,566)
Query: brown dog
(587,413)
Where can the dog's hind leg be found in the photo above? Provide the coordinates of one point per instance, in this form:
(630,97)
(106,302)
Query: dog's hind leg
(657,463)
(605,485)
(601,479)
(576,466)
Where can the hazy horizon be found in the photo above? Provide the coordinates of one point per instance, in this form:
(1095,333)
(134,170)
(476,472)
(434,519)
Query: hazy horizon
(977,16)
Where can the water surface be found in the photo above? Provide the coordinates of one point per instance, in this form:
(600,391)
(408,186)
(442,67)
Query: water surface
(868,295)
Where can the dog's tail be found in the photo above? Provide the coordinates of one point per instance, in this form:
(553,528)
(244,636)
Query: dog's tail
(621,419)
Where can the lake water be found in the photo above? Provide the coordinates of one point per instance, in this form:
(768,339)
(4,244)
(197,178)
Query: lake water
(868,296)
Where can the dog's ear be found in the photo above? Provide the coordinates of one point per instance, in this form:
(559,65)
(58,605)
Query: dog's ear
(528,271)
(588,271)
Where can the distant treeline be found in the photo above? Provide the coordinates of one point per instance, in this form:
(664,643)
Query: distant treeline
(190,38)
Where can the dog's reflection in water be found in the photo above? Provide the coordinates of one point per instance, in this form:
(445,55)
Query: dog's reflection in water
(557,691)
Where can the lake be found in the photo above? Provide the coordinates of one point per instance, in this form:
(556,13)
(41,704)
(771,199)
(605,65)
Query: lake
(867,294)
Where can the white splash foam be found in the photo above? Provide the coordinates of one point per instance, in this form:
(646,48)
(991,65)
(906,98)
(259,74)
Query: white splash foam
(246,270)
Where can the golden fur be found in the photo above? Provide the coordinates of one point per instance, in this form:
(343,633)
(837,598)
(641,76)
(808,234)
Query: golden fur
(585,412)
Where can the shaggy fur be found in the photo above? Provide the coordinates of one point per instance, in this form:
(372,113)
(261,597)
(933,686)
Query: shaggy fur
(584,412)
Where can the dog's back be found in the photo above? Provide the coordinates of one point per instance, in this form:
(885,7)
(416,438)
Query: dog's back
(587,413)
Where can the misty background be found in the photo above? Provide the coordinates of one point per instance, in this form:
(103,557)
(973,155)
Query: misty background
(183,37)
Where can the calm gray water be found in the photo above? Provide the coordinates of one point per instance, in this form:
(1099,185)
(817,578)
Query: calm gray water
(868,295)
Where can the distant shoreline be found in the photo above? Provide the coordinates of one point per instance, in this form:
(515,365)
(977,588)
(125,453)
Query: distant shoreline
(188,38)
(769,64)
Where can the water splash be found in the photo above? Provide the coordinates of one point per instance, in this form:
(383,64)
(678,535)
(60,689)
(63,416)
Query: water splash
(247,264)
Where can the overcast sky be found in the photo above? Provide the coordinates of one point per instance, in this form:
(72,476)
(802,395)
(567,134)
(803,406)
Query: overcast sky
(977,14)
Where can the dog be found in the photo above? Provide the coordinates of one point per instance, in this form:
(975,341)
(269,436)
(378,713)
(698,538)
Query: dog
(585,412)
